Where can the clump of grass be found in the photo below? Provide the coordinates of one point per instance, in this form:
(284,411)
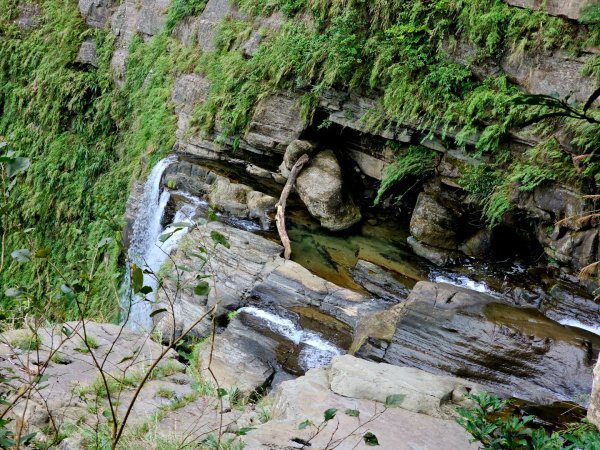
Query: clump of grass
(26,341)
(165,392)
(89,342)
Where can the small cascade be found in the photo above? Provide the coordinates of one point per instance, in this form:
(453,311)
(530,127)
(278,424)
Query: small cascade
(462,281)
(146,250)
(315,351)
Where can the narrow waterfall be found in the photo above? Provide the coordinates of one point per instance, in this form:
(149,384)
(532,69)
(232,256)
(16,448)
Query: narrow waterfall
(146,250)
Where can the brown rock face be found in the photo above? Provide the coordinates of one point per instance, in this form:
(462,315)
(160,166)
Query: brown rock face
(276,123)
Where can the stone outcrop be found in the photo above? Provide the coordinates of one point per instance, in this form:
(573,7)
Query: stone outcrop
(234,199)
(276,122)
(241,358)
(87,53)
(169,408)
(566,8)
(450,330)
(320,186)
(347,386)
(97,13)
(234,271)
(73,378)
(29,14)
(250,268)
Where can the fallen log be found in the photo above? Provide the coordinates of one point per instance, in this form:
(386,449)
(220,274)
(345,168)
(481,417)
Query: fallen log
(280,215)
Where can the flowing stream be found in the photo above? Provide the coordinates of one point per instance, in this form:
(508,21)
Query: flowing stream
(315,350)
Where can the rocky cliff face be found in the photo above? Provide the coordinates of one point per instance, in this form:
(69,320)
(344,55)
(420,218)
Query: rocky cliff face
(438,323)
(277,122)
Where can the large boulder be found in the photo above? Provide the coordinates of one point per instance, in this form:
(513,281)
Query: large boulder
(432,223)
(400,428)
(320,187)
(240,357)
(233,271)
(422,392)
(445,329)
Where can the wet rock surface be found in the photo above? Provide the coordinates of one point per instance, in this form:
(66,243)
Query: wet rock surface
(446,329)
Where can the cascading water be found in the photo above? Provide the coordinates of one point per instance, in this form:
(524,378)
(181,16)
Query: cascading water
(315,351)
(146,250)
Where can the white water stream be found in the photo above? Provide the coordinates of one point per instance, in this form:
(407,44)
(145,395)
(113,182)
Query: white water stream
(146,250)
(315,351)
(577,324)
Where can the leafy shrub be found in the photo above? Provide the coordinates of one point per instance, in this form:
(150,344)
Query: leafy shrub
(416,162)
(490,425)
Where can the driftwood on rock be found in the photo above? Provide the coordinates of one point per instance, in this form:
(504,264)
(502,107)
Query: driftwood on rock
(280,215)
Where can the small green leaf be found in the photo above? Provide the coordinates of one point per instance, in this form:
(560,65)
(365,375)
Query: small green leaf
(106,413)
(202,288)
(41,379)
(137,279)
(22,255)
(25,440)
(211,214)
(104,242)
(126,358)
(330,414)
(352,412)
(244,431)
(181,225)
(394,400)
(307,423)
(157,311)
(218,238)
(165,236)
(221,392)
(370,439)
(145,290)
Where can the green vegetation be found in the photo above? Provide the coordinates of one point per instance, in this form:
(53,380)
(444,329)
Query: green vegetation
(416,162)
(491,426)
(400,50)
(84,139)
(25,340)
(88,343)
